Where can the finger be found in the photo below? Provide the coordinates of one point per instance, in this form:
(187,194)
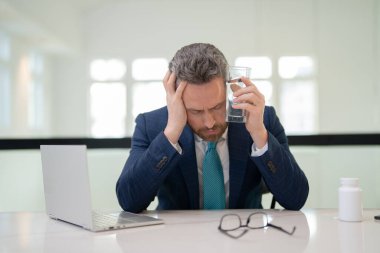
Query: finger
(249,107)
(169,83)
(250,98)
(251,88)
(246,81)
(181,87)
(172,79)
(166,78)
(250,84)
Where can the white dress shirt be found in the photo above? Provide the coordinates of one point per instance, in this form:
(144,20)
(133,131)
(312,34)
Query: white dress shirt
(222,149)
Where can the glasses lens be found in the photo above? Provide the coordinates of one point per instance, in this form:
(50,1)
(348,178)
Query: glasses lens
(230,222)
(257,220)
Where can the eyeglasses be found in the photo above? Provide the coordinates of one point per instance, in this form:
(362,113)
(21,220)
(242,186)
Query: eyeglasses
(256,220)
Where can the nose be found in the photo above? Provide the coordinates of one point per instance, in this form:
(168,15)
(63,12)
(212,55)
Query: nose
(209,120)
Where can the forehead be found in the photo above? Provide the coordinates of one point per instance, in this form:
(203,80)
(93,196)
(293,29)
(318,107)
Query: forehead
(204,96)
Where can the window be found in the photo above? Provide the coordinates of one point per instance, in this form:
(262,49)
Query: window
(5,47)
(35,66)
(5,95)
(108,98)
(261,66)
(298,99)
(298,106)
(108,109)
(295,67)
(148,91)
(107,70)
(5,85)
(153,94)
(261,73)
(149,69)
(293,91)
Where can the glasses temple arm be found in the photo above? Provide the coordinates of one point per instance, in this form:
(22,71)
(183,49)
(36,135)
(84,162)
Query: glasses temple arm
(281,229)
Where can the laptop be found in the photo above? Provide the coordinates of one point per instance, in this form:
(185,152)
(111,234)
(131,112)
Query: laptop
(68,196)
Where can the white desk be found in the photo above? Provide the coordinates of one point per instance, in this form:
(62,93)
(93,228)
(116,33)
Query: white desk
(318,230)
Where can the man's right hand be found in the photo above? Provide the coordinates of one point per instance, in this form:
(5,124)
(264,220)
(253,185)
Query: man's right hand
(177,116)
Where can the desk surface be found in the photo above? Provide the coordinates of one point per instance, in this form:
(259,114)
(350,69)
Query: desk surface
(318,230)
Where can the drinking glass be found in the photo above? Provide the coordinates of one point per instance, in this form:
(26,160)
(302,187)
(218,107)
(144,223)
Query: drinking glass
(234,83)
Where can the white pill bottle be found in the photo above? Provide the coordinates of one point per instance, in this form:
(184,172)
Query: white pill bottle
(350,200)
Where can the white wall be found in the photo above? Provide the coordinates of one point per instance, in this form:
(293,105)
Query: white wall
(21,186)
(349,82)
(53,29)
(69,97)
(21,181)
(343,37)
(53,25)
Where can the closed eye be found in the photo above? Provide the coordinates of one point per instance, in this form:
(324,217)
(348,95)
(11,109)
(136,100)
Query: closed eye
(215,108)
(195,112)
(218,107)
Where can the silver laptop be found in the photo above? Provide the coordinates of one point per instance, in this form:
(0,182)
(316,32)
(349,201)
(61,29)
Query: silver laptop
(68,195)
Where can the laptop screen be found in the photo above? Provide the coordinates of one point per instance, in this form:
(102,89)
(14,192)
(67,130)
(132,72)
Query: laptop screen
(66,183)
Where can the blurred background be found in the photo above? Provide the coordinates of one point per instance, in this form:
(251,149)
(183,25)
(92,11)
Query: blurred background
(87,68)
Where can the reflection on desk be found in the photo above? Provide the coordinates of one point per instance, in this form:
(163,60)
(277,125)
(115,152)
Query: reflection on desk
(198,232)
(318,230)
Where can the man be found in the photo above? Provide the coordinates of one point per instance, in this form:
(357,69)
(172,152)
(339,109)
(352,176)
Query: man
(170,143)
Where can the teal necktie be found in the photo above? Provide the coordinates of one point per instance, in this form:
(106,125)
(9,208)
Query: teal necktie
(213,182)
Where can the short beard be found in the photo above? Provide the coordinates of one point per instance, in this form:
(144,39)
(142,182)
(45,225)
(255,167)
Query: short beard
(214,137)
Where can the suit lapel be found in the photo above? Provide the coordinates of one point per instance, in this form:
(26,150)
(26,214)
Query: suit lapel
(188,165)
(238,148)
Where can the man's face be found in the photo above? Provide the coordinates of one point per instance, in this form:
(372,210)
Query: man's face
(206,108)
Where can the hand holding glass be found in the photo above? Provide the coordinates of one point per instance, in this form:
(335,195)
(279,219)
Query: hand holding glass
(234,83)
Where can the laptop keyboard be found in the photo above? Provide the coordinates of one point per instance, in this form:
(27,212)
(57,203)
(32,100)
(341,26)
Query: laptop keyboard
(117,219)
(104,220)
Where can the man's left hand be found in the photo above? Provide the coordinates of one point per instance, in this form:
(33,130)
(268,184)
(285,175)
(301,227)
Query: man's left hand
(252,101)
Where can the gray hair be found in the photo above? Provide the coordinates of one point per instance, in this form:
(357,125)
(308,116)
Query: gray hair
(198,63)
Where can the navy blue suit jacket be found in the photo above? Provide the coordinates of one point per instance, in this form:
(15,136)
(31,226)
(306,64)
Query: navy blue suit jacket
(155,168)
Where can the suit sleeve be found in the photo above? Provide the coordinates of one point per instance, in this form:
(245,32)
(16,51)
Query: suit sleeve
(148,164)
(279,169)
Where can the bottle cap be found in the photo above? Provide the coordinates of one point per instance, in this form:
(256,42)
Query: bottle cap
(347,181)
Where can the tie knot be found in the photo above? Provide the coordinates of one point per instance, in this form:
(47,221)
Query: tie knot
(211,145)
